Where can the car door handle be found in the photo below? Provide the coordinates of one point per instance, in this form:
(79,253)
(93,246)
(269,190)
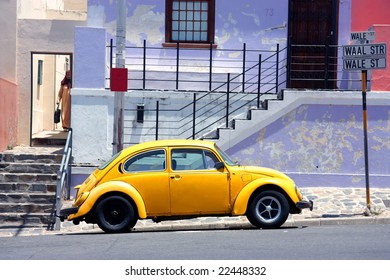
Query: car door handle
(176,177)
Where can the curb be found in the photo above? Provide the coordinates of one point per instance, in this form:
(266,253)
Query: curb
(232,223)
(225,224)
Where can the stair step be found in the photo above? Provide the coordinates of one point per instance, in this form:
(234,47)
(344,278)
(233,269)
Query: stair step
(18,198)
(33,154)
(28,187)
(48,141)
(27,178)
(30,158)
(28,208)
(22,167)
(29,219)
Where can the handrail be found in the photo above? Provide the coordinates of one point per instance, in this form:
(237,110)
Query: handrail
(63,178)
(249,81)
(263,81)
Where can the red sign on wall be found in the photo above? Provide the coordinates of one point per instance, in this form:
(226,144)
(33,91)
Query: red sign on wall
(118,79)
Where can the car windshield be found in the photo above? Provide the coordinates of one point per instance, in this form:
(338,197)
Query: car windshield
(104,165)
(227,159)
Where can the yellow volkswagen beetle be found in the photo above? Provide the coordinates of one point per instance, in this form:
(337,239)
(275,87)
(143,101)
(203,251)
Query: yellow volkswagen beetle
(173,179)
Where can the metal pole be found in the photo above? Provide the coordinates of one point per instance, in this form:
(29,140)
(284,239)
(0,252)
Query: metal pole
(177,65)
(277,70)
(211,66)
(120,63)
(157,115)
(144,67)
(259,83)
(289,60)
(194,116)
(327,63)
(243,67)
(227,100)
(111,51)
(365,129)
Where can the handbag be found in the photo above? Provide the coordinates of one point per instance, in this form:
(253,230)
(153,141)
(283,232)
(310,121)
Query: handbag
(57,115)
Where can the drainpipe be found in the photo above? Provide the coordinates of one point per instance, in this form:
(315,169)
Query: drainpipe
(120,63)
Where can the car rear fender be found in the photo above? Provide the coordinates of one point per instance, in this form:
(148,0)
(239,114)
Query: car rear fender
(113,186)
(241,202)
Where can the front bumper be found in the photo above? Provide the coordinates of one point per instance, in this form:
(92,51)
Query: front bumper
(64,213)
(304,204)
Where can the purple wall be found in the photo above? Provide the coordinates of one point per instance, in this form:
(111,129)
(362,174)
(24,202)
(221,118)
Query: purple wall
(322,145)
(260,24)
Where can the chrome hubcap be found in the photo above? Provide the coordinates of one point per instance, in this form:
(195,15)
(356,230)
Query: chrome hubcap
(268,209)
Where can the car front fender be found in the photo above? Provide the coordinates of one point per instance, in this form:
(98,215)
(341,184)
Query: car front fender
(111,186)
(241,202)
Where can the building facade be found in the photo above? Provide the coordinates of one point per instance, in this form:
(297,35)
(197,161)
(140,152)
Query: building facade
(307,135)
(37,47)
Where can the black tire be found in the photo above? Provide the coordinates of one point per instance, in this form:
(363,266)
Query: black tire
(115,214)
(268,209)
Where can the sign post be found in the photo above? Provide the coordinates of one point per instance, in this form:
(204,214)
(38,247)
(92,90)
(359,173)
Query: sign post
(120,63)
(364,57)
(365,132)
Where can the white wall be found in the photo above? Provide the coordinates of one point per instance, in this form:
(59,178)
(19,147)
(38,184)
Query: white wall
(8,40)
(92,119)
(39,36)
(92,116)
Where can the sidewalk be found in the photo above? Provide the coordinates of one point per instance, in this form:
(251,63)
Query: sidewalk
(332,206)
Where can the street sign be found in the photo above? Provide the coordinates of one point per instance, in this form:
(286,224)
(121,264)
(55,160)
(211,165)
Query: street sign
(354,63)
(364,57)
(365,36)
(364,50)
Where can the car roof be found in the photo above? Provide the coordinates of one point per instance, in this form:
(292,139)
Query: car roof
(170,143)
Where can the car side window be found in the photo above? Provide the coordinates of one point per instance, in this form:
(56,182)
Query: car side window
(211,160)
(192,159)
(147,161)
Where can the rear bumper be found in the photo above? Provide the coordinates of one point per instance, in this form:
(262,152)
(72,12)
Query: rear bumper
(64,213)
(304,204)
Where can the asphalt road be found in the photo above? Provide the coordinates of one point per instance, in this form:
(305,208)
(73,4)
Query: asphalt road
(352,242)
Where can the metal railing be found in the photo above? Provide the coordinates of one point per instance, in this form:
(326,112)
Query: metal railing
(64,178)
(184,68)
(222,88)
(319,67)
(212,109)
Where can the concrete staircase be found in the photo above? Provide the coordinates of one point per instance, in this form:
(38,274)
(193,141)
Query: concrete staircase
(241,121)
(27,186)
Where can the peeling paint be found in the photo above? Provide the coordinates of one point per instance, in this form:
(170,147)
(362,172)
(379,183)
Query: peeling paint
(320,139)
(143,24)
(255,18)
(279,27)
(235,54)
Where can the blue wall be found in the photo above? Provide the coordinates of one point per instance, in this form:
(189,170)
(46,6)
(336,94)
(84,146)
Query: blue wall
(323,145)
(260,24)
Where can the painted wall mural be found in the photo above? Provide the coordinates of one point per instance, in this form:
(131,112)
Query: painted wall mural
(260,24)
(319,139)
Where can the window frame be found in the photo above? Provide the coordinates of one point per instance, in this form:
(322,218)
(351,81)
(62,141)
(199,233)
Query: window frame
(204,153)
(169,42)
(134,158)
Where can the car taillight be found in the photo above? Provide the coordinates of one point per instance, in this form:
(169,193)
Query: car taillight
(298,192)
(77,194)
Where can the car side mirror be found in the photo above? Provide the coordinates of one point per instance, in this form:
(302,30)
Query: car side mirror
(219,165)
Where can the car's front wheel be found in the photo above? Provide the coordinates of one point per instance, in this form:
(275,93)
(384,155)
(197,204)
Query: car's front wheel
(268,209)
(115,214)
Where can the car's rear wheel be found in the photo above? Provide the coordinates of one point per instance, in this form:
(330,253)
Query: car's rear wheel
(268,209)
(115,214)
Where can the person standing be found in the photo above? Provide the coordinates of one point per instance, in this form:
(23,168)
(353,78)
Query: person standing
(64,97)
